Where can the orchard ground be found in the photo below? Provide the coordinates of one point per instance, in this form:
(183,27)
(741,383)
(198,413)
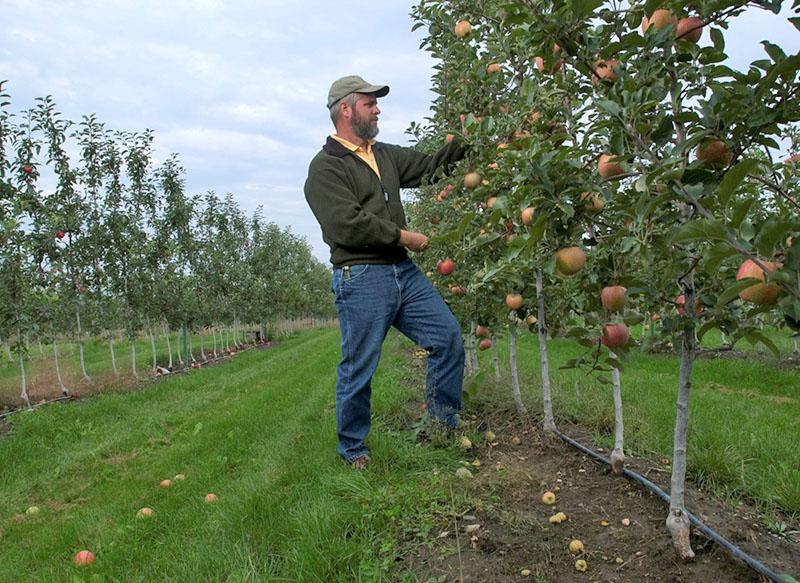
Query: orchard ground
(258,431)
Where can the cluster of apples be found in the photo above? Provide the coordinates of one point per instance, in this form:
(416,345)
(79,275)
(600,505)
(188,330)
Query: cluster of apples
(85,557)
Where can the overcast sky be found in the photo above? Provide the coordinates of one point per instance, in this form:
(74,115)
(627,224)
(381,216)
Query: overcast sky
(238,88)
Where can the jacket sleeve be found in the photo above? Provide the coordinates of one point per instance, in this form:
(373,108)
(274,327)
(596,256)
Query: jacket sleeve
(414,166)
(339,213)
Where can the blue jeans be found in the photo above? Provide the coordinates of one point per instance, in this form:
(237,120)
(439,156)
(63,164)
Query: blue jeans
(369,299)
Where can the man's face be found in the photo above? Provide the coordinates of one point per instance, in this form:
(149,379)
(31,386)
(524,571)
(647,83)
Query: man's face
(365,117)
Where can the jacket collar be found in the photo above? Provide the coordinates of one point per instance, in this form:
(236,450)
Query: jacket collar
(335,148)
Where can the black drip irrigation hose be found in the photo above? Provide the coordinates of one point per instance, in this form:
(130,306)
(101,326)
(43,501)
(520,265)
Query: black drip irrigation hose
(735,551)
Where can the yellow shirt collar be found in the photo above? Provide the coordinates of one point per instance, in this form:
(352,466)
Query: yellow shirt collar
(350,145)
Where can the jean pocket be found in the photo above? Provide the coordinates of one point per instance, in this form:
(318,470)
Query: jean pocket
(352,272)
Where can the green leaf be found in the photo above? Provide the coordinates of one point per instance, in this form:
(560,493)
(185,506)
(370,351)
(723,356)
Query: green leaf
(771,233)
(740,211)
(732,292)
(715,255)
(774,51)
(755,337)
(734,177)
(609,106)
(705,328)
(795,21)
(584,8)
(702,230)
(718,39)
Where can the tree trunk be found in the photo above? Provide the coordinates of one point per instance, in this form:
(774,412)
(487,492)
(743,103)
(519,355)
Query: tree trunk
(474,352)
(64,390)
(202,351)
(214,340)
(152,346)
(41,349)
(677,521)
(178,348)
(618,455)
(113,355)
(80,345)
(549,420)
(262,331)
(169,345)
(512,361)
(496,361)
(133,356)
(23,382)
(189,342)
(467,360)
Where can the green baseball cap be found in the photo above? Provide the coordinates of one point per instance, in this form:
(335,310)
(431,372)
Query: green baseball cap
(353,84)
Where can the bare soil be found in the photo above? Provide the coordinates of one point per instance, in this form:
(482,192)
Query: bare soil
(514,533)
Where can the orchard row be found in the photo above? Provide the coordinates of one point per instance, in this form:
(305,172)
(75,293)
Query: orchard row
(95,238)
(618,169)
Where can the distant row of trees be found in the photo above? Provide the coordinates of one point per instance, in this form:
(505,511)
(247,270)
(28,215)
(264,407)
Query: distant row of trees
(96,238)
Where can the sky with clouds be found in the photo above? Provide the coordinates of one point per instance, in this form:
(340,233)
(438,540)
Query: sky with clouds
(238,87)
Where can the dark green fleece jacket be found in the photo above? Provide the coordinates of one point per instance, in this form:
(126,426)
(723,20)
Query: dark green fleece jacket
(361,215)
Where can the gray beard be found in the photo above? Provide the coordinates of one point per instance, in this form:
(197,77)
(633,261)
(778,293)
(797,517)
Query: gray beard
(365,129)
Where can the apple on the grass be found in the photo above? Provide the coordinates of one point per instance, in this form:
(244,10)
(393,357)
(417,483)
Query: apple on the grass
(84,558)
(445,266)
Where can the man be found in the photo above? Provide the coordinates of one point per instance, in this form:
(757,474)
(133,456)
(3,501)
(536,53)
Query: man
(353,189)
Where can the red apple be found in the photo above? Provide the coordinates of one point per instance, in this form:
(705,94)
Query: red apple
(689,29)
(614,298)
(605,70)
(485,344)
(493,68)
(681,300)
(59,234)
(445,266)
(514,301)
(211,498)
(714,152)
(527,216)
(27,169)
(472,179)
(463,28)
(570,260)
(607,168)
(615,335)
(758,293)
(83,558)
(481,331)
(592,202)
(660,19)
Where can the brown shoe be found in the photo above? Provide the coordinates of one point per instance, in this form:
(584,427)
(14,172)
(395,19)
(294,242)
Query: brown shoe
(360,462)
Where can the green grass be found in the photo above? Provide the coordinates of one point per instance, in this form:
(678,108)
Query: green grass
(744,416)
(260,433)
(40,368)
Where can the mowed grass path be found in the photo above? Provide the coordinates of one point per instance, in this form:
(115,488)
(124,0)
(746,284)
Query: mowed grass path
(260,433)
